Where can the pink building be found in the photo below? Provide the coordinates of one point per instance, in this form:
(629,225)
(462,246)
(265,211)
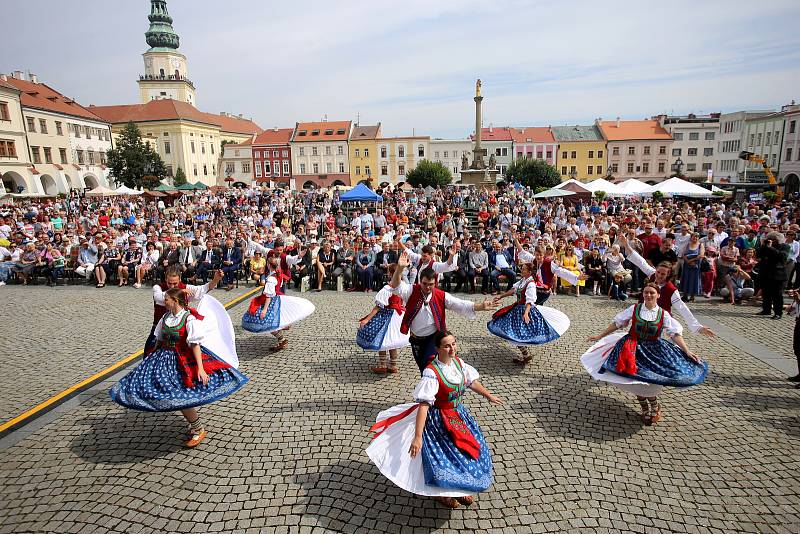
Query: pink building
(535,142)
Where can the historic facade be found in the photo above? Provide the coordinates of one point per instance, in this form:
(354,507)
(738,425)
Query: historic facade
(272,158)
(535,143)
(581,152)
(499,143)
(789,173)
(320,156)
(363,147)
(694,143)
(398,155)
(763,135)
(450,153)
(236,164)
(638,149)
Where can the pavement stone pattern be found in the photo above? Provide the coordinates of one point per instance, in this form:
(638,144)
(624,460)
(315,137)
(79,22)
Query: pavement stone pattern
(286,453)
(56,337)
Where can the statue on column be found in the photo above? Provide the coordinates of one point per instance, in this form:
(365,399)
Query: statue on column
(464,162)
(492,162)
(478,87)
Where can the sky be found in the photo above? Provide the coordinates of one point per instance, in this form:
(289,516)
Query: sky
(412,65)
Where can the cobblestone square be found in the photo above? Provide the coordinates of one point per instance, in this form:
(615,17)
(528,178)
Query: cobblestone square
(286,454)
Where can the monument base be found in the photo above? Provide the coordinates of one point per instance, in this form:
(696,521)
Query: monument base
(480,177)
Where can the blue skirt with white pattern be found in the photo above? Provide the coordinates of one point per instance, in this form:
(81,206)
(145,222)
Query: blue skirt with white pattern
(511,327)
(252,322)
(660,362)
(156,385)
(370,337)
(444,465)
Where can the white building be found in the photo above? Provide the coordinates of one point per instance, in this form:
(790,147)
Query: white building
(236,164)
(727,165)
(763,136)
(695,141)
(790,164)
(449,152)
(499,143)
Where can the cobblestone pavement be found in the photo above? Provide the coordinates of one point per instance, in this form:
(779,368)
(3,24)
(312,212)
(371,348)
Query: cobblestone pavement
(286,453)
(68,334)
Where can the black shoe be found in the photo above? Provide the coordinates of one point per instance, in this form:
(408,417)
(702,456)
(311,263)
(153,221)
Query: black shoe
(762,313)
(795,378)
(776,317)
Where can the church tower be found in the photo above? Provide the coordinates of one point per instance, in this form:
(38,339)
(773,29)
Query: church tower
(165,69)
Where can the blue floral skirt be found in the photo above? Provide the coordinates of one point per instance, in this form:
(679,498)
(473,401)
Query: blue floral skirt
(444,465)
(659,362)
(511,327)
(252,322)
(370,337)
(156,385)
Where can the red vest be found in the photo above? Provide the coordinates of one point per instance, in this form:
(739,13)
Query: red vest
(158,309)
(665,297)
(546,277)
(187,363)
(415,303)
(421,268)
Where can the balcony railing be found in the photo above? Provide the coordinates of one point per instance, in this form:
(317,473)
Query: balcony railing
(165,78)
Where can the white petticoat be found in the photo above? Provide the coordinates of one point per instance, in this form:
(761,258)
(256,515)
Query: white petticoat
(216,324)
(389,452)
(594,358)
(394,339)
(294,310)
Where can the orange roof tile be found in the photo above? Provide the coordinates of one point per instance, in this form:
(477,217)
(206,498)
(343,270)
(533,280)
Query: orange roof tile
(321,131)
(274,136)
(42,96)
(633,130)
(366,132)
(533,134)
(502,133)
(167,109)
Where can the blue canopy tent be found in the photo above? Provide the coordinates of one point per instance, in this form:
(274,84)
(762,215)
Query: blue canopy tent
(361,193)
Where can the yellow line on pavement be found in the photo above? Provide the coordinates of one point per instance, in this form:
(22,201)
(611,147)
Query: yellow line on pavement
(84,384)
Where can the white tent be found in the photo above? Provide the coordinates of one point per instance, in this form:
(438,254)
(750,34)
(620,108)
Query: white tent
(554,192)
(677,187)
(570,181)
(125,190)
(101,191)
(603,185)
(632,186)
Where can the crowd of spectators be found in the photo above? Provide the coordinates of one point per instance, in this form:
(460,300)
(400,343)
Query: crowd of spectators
(737,251)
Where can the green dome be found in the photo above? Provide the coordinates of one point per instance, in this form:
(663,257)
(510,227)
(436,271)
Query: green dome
(160,34)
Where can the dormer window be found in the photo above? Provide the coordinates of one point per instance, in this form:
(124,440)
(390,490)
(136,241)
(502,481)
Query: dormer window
(314,132)
(328,132)
(301,133)
(340,131)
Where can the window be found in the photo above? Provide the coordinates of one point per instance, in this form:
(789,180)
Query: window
(599,169)
(706,167)
(709,136)
(792,124)
(631,150)
(446,154)
(205,170)
(358,153)
(614,168)
(661,166)
(694,136)
(191,143)
(62,154)
(88,131)
(752,140)
(384,169)
(564,169)
(590,169)
(615,151)
(358,170)
(646,150)
(401,169)
(630,168)
(256,154)
(43,126)
(167,148)
(788,154)
(48,157)
(366,152)
(194,169)
(401,151)
(276,169)
(4,116)
(549,154)
(91,156)
(340,150)
(708,151)
(573,154)
(367,171)
(341,167)
(213,170)
(691,151)
(202,148)
(246,167)
(421,151)
(267,168)
(645,168)
(31,124)
(676,151)
(314,151)
(258,168)
(286,168)
(36,156)
(169,169)
(302,168)
(59,129)
(301,151)
(691,167)
(539,154)
(329,167)
(230,167)
(236,153)
(678,136)
(519,155)
(327,151)
(383,151)
(564,155)
(760,137)
(769,137)
(315,168)
(573,169)
(591,154)
(274,154)
(662,150)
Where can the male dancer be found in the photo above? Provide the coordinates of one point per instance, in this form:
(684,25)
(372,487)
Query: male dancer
(426,307)
(172,278)
(669,297)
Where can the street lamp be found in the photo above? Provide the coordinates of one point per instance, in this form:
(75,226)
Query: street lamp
(677,166)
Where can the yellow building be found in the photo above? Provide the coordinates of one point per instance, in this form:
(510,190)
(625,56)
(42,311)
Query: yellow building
(581,152)
(398,155)
(363,147)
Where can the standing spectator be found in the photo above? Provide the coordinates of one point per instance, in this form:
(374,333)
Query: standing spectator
(691,283)
(650,240)
(772,274)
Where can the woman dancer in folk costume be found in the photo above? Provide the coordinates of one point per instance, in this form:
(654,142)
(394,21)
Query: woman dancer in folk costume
(380,329)
(434,447)
(194,363)
(524,323)
(272,311)
(640,361)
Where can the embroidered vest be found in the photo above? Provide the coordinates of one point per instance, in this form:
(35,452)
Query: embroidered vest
(450,393)
(448,398)
(158,309)
(415,303)
(642,328)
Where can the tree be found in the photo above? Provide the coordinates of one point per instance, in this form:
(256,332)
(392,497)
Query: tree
(658,196)
(533,173)
(600,195)
(429,173)
(133,162)
(179,178)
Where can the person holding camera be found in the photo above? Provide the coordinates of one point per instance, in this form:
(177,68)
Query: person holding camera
(772,276)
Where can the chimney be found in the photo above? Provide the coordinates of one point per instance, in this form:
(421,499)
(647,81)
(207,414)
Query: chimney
(33,78)
(240,116)
(617,122)
(223,114)
(275,129)
(490,127)
(3,77)
(18,74)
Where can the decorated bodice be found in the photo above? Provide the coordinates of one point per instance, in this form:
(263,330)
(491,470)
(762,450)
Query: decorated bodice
(521,288)
(450,391)
(173,335)
(643,329)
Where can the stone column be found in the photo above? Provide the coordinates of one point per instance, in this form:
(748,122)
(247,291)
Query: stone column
(478,121)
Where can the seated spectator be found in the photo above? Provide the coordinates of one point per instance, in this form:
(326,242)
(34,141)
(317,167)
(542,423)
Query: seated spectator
(326,260)
(148,262)
(231,258)
(364,264)
(258,266)
(345,257)
(618,289)
(130,259)
(500,263)
(593,264)
(26,265)
(208,261)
